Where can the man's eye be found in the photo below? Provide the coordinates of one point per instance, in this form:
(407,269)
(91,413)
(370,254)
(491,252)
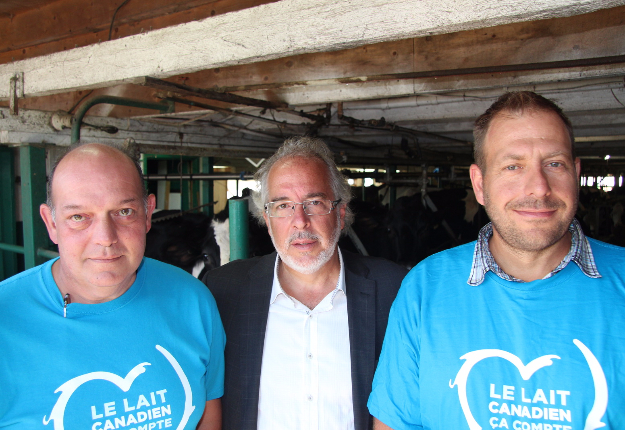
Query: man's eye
(555,164)
(126,212)
(513,167)
(77,218)
(283,206)
(313,202)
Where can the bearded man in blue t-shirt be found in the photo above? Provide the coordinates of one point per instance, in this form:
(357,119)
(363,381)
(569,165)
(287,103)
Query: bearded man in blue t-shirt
(101,337)
(522,329)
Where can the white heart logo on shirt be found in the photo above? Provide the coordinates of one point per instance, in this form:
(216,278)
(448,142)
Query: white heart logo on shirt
(593,420)
(68,388)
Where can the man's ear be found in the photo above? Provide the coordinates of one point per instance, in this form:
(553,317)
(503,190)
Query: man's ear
(151,207)
(46,215)
(578,168)
(477,179)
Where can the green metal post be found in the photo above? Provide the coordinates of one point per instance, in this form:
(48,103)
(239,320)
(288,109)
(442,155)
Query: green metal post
(239,229)
(33,174)
(206,164)
(144,168)
(8,260)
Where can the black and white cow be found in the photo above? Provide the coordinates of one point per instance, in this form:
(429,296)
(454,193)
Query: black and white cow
(186,240)
(197,243)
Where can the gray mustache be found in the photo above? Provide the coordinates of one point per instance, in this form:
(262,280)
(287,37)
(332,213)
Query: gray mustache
(302,235)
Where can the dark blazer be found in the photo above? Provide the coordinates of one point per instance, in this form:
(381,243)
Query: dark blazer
(242,290)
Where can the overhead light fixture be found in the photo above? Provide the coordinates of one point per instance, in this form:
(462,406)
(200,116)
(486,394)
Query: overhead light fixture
(607,157)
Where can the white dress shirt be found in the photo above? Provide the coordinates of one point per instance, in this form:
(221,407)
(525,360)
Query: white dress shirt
(305,381)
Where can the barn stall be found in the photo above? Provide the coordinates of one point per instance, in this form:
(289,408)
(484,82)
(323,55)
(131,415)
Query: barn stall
(206,90)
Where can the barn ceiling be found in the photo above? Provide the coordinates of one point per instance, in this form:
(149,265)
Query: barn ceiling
(384,82)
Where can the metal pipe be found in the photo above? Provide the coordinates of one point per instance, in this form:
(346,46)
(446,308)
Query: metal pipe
(46,253)
(18,249)
(13,248)
(225,97)
(239,229)
(164,107)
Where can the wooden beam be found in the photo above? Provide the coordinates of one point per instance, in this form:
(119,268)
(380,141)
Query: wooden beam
(318,94)
(470,106)
(268,32)
(299,81)
(65,24)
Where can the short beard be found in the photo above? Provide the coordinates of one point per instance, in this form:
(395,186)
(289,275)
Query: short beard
(520,239)
(318,262)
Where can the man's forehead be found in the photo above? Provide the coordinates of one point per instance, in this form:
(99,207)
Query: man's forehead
(299,172)
(530,126)
(94,168)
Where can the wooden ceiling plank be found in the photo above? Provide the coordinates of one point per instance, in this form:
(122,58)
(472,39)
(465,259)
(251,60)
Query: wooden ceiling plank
(312,95)
(70,20)
(267,32)
(597,34)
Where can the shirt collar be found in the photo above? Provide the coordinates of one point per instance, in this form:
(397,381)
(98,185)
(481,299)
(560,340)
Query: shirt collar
(276,288)
(483,260)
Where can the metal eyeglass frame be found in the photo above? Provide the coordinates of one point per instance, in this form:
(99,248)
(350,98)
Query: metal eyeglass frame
(334,205)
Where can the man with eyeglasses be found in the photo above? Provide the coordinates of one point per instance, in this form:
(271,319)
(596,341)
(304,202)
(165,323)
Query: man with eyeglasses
(304,325)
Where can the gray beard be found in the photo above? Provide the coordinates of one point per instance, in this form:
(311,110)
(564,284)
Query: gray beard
(318,262)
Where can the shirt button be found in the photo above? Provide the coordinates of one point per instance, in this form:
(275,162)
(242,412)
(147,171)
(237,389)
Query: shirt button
(309,355)
(307,312)
(309,398)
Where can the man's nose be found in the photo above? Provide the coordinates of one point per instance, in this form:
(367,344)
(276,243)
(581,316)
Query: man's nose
(105,231)
(300,219)
(537,183)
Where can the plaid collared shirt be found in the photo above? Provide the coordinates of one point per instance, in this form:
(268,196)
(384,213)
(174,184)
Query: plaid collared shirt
(483,260)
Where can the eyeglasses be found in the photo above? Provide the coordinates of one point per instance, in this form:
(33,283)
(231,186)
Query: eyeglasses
(284,209)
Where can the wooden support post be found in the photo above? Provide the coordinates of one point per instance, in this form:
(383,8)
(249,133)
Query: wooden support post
(33,174)
(8,260)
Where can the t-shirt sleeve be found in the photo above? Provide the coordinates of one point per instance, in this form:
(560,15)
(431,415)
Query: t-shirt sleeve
(215,365)
(395,397)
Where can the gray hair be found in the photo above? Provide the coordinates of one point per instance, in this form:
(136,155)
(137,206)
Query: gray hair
(130,150)
(303,147)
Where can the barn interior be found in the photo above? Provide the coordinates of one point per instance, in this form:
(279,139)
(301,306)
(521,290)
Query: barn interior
(208,89)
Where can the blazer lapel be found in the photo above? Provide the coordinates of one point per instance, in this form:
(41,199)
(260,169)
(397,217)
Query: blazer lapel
(361,312)
(254,320)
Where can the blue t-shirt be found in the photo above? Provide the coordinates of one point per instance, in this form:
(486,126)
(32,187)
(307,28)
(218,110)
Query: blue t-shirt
(542,355)
(149,359)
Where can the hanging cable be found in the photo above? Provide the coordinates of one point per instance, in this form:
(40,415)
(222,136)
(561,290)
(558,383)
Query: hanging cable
(113,20)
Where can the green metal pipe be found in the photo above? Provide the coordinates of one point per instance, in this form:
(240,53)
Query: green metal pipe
(239,229)
(33,181)
(13,248)
(46,253)
(164,107)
